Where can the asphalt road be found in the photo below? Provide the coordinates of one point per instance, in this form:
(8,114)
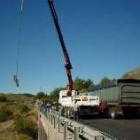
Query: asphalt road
(122,129)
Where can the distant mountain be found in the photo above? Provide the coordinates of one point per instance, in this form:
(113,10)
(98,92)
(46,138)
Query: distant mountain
(28,95)
(133,74)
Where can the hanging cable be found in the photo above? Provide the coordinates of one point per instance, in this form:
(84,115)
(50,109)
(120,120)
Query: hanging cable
(15,77)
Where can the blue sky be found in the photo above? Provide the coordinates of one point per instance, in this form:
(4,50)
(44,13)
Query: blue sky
(102,38)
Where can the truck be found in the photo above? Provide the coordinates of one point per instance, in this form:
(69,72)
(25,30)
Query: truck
(87,105)
(120,98)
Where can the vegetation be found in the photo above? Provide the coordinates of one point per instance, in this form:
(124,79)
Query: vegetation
(24,137)
(133,74)
(5,115)
(3,99)
(17,97)
(54,95)
(40,95)
(26,126)
(24,109)
(106,81)
(17,120)
(80,85)
(83,85)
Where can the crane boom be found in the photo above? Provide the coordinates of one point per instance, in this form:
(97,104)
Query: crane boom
(68,65)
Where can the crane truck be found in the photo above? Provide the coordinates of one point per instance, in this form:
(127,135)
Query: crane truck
(67,98)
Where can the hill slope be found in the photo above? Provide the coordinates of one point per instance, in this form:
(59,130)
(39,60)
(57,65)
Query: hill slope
(18,117)
(133,74)
(17,97)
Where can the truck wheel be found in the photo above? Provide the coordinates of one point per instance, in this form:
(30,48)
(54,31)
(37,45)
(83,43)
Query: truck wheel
(129,114)
(112,113)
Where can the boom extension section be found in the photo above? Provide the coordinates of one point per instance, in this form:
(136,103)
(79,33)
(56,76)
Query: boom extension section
(68,65)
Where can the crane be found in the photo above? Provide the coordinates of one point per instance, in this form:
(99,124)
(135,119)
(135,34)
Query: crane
(68,65)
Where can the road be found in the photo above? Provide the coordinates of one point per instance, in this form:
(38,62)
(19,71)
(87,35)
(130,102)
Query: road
(122,129)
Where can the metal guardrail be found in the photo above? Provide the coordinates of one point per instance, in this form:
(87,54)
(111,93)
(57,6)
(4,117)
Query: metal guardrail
(72,129)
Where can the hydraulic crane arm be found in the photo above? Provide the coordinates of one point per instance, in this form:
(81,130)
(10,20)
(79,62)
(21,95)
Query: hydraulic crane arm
(68,65)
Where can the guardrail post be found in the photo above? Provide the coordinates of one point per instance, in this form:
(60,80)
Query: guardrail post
(68,113)
(59,113)
(49,116)
(54,122)
(76,133)
(51,119)
(65,130)
(59,124)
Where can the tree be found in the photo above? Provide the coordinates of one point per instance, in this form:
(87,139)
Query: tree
(40,95)
(105,81)
(82,85)
(54,95)
(91,88)
(88,83)
(78,83)
(126,75)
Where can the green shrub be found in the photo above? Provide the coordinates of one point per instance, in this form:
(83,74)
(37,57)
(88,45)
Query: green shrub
(3,99)
(24,109)
(5,115)
(24,137)
(26,126)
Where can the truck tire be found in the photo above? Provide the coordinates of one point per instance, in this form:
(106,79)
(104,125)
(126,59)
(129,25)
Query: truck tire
(112,113)
(129,114)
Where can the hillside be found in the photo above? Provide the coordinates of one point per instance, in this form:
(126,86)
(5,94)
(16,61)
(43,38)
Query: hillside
(133,74)
(18,117)
(18,97)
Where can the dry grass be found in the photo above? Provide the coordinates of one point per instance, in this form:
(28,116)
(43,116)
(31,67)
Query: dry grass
(7,128)
(133,74)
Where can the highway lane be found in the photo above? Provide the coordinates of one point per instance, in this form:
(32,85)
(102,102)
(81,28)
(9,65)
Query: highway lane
(122,129)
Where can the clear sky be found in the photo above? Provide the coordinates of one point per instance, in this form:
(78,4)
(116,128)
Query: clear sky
(102,38)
